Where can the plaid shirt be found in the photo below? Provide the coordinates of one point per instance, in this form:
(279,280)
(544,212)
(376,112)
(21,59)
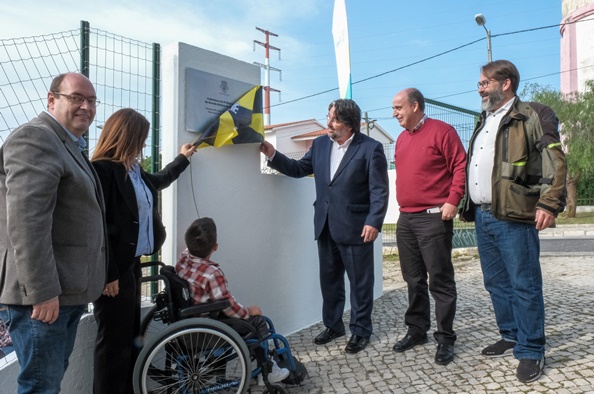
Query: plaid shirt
(208,283)
(4,337)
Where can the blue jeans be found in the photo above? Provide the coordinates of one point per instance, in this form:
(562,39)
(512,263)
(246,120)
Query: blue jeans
(7,349)
(509,254)
(42,349)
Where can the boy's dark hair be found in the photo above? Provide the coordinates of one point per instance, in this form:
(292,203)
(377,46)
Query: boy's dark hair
(201,237)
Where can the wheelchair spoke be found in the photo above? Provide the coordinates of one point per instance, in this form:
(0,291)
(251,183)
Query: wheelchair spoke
(194,356)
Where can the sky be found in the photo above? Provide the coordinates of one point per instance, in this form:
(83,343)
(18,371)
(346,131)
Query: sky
(433,45)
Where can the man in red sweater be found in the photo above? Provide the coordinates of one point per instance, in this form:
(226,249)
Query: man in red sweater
(430,176)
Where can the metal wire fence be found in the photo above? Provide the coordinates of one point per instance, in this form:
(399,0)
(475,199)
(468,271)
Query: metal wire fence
(125,73)
(27,66)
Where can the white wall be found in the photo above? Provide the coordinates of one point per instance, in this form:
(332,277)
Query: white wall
(393,212)
(265,222)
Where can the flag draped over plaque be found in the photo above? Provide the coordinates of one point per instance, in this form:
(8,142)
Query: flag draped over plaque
(243,122)
(340,32)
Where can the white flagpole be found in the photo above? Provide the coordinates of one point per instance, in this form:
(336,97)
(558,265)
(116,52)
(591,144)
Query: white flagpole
(340,33)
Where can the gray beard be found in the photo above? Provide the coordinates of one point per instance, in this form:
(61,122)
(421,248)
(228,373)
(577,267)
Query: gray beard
(494,101)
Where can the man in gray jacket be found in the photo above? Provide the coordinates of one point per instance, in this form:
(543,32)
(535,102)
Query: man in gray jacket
(52,233)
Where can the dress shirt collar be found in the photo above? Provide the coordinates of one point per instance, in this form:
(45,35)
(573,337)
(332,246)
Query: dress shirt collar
(345,145)
(419,125)
(503,109)
(80,141)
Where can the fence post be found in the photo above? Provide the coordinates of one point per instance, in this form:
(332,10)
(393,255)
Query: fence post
(156,126)
(155,122)
(85,41)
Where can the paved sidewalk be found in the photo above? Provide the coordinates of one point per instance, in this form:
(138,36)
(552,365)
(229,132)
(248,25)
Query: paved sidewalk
(569,299)
(569,231)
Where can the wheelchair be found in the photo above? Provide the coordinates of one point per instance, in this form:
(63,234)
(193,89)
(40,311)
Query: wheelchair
(188,349)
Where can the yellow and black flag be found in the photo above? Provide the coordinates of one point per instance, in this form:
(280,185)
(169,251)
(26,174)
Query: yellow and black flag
(240,124)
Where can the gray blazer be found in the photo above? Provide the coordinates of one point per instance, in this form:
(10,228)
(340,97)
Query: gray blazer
(52,227)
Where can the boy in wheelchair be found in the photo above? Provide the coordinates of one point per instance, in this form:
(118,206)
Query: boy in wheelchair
(208,283)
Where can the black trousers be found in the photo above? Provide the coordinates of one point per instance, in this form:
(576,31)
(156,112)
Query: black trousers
(357,262)
(118,325)
(425,249)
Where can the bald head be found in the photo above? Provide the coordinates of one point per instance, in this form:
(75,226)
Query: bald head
(409,108)
(75,117)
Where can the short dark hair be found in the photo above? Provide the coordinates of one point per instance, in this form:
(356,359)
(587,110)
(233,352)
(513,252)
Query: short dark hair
(500,70)
(414,95)
(201,237)
(348,112)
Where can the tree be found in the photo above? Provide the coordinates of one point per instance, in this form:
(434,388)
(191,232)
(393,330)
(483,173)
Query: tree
(576,116)
(147,164)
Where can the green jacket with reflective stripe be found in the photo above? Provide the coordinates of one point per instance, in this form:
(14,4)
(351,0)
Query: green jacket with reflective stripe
(529,169)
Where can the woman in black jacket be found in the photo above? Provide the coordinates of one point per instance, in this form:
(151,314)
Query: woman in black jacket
(134,229)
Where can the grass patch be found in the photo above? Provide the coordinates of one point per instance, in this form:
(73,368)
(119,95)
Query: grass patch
(580,218)
(457,255)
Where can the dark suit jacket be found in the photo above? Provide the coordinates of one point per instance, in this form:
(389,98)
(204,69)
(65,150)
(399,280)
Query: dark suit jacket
(52,229)
(122,209)
(355,197)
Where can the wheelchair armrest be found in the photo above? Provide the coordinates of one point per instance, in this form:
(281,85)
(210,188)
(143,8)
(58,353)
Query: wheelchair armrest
(153,278)
(148,264)
(207,307)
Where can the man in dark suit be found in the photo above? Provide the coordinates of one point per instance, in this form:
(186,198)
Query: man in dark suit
(352,189)
(52,233)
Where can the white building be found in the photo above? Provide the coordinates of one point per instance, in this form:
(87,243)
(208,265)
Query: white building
(295,138)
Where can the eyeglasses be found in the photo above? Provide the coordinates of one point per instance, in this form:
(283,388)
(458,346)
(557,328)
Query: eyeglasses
(332,119)
(485,83)
(77,99)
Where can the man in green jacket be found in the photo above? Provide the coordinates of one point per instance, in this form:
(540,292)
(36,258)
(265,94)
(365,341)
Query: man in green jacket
(515,187)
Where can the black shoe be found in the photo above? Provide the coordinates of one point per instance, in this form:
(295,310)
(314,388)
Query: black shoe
(529,370)
(444,354)
(356,344)
(408,342)
(499,348)
(328,335)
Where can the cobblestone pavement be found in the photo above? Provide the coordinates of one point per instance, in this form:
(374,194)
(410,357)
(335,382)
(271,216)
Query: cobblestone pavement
(569,296)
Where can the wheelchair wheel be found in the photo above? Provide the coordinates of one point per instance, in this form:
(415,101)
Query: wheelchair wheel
(192,356)
(149,327)
(275,389)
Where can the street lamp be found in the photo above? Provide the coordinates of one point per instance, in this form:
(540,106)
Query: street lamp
(481,20)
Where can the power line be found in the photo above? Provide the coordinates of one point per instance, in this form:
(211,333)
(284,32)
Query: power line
(474,90)
(438,55)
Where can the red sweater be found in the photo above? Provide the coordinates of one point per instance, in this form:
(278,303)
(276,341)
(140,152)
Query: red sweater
(430,167)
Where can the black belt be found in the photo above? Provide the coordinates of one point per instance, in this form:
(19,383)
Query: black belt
(484,207)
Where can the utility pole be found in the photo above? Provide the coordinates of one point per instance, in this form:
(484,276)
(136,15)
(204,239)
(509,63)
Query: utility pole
(267,68)
(369,124)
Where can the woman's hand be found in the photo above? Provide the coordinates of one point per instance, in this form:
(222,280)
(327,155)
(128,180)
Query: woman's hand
(112,289)
(187,150)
